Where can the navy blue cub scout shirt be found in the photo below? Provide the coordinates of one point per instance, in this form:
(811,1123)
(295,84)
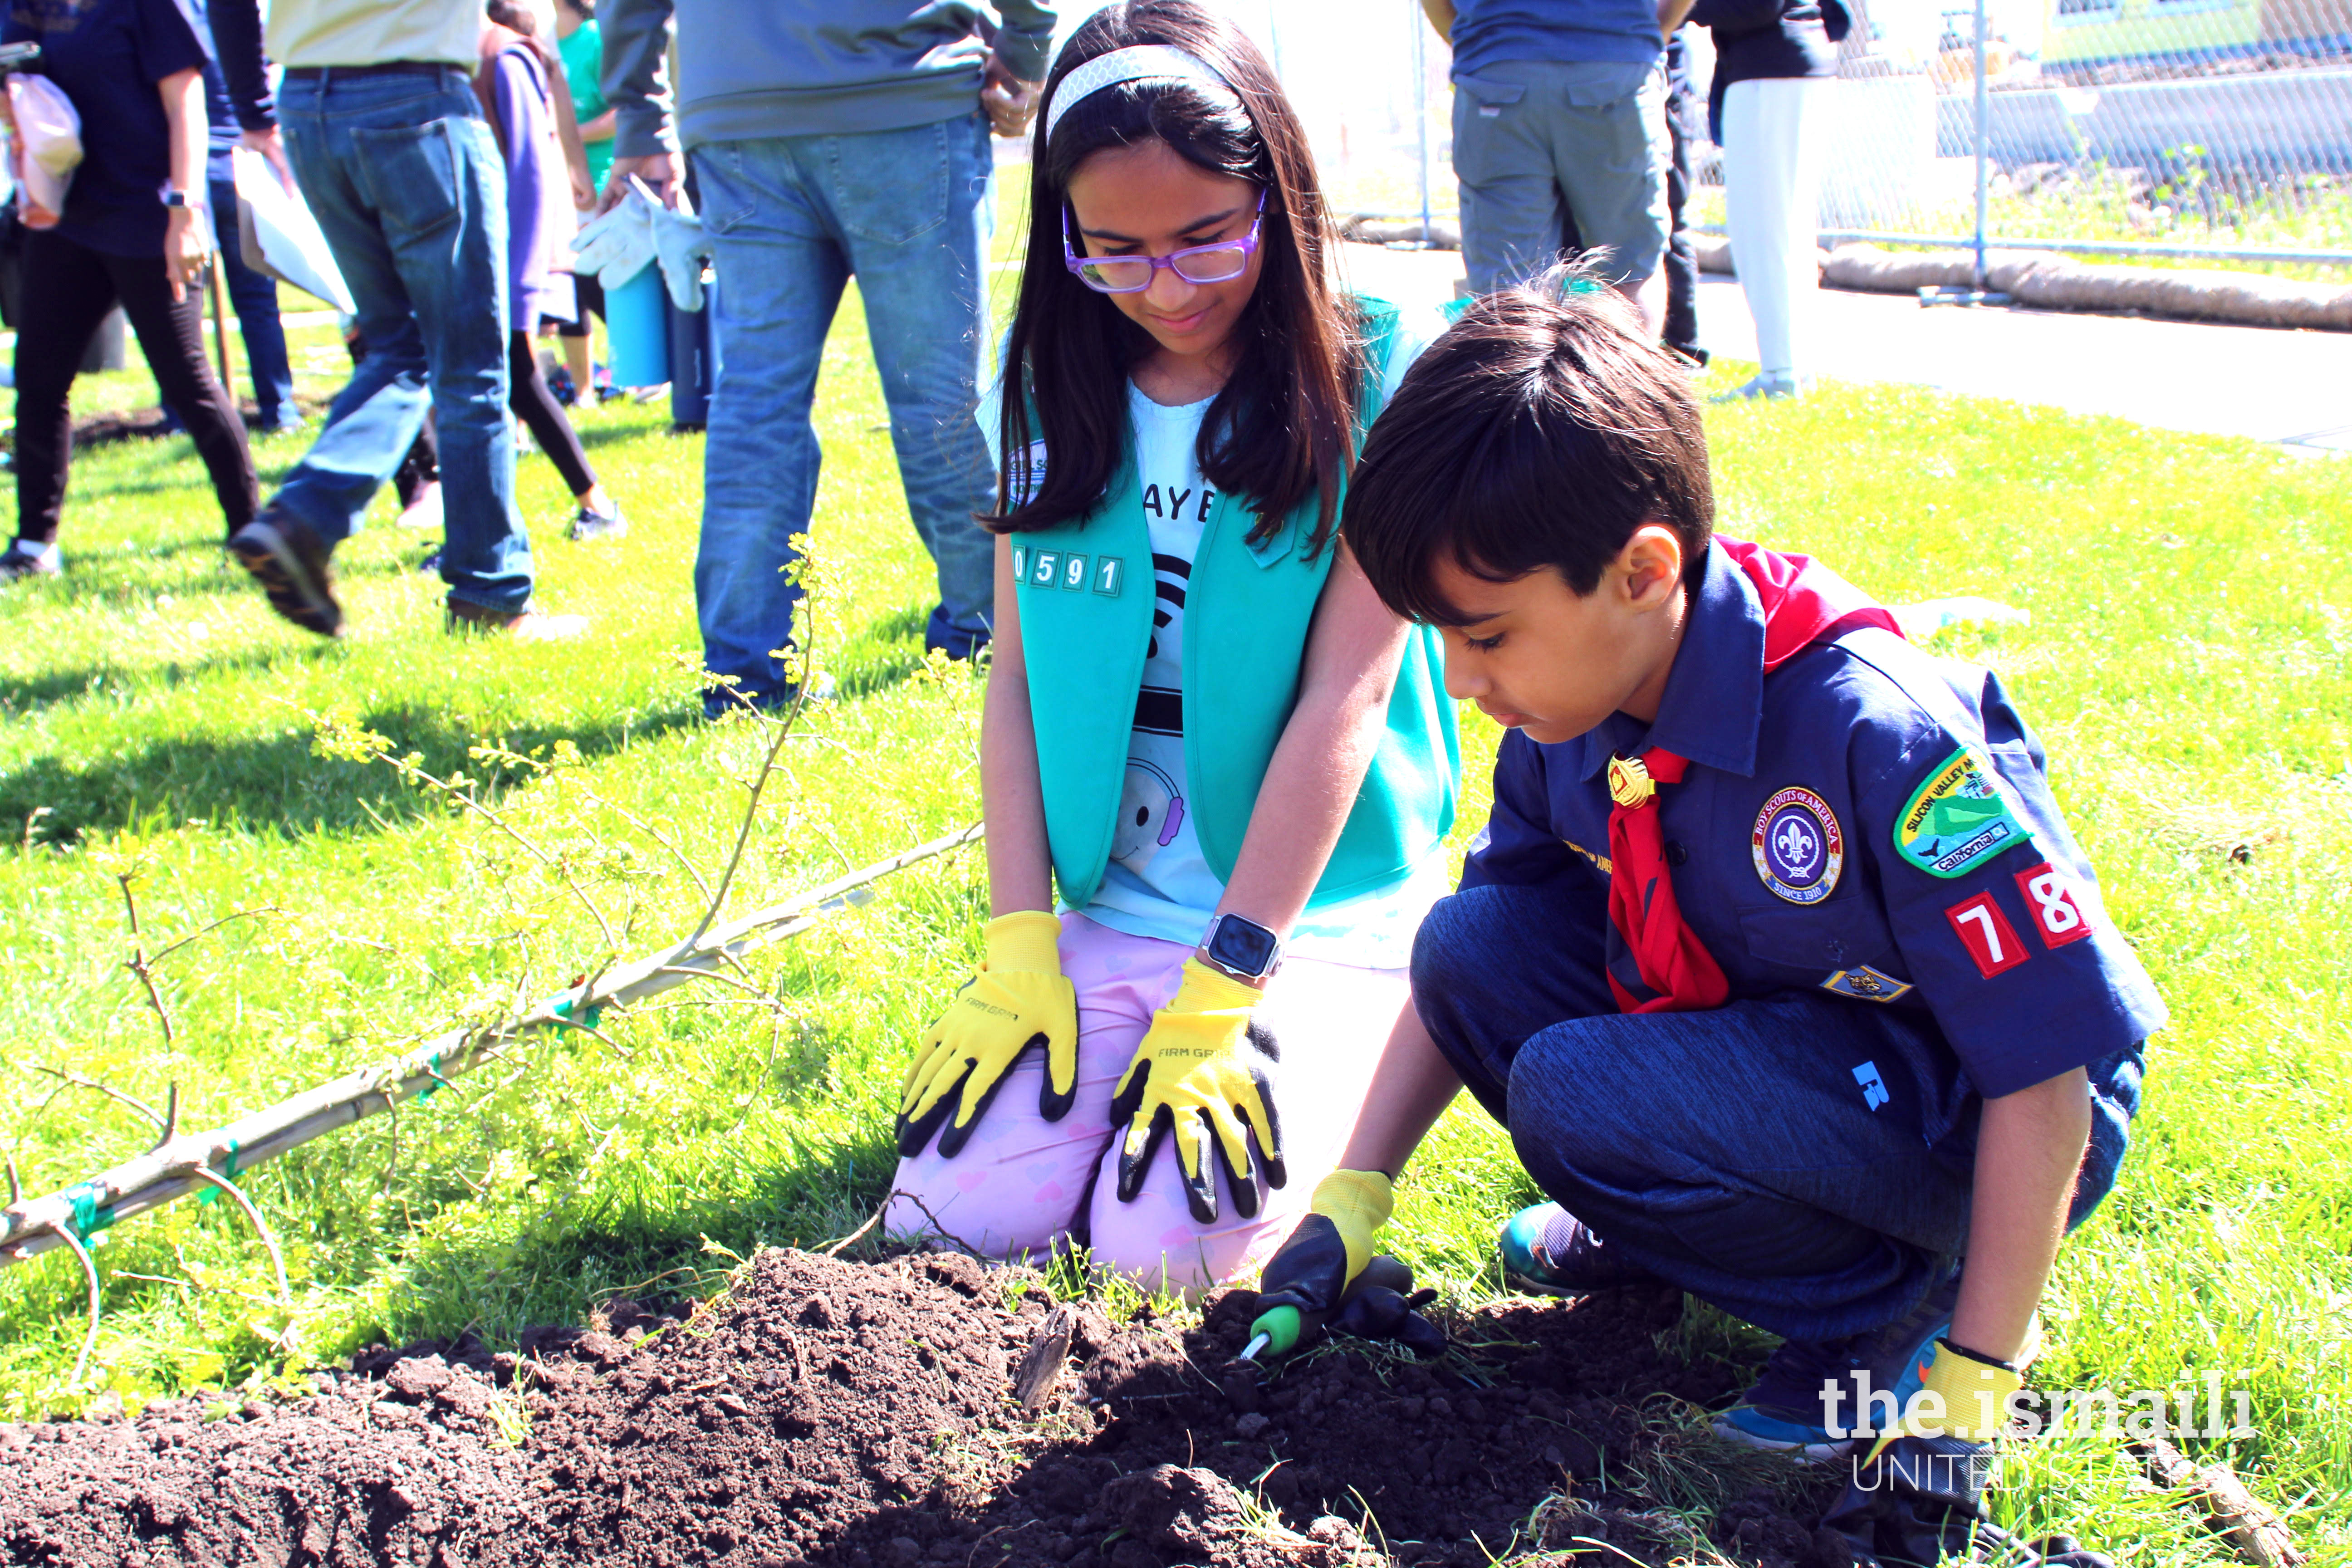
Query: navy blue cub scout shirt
(1869,823)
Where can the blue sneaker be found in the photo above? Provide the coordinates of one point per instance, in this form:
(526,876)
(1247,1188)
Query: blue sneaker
(1548,1251)
(1785,1410)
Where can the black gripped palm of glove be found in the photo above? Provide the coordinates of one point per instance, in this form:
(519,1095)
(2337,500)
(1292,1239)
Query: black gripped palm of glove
(1918,1501)
(1199,1076)
(1018,1001)
(1330,1277)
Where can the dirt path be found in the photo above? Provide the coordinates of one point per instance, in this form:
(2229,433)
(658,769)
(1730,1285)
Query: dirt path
(861,1416)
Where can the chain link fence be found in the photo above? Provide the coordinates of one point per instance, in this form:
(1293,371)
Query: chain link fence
(2163,131)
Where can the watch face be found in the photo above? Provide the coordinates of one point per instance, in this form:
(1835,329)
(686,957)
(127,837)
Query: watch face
(1243,945)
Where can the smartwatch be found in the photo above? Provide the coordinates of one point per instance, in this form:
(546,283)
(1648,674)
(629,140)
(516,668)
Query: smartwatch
(1243,949)
(173,198)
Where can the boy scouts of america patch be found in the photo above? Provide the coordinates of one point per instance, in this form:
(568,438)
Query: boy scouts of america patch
(1957,818)
(1797,846)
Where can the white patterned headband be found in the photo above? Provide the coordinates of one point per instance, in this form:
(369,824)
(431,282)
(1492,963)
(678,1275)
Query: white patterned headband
(1142,62)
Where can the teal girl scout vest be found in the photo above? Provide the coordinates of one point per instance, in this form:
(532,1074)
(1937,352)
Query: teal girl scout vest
(1087,597)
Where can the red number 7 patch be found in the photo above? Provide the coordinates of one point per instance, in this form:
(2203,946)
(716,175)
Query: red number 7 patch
(2050,899)
(1987,934)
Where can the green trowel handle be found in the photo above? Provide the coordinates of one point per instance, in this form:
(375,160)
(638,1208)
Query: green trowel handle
(1287,1326)
(1282,1327)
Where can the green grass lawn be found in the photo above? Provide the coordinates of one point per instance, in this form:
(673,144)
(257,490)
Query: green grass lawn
(2187,666)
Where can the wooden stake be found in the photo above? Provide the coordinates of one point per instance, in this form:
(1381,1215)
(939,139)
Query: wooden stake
(219,276)
(2259,1535)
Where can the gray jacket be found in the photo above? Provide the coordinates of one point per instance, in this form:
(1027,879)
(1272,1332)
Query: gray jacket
(749,68)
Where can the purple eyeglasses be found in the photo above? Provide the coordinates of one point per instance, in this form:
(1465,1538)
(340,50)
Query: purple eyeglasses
(1218,263)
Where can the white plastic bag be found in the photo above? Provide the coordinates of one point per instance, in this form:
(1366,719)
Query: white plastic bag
(50,131)
(277,235)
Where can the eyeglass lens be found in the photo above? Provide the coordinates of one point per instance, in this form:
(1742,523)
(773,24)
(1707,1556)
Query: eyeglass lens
(1208,264)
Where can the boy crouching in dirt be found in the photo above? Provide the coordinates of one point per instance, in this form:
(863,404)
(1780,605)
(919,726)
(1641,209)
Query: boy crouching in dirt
(1775,957)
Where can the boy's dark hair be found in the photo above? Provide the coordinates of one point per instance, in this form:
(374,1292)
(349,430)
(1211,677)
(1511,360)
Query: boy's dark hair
(1283,427)
(1541,429)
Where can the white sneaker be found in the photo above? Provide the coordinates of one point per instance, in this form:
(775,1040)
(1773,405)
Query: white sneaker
(1778,383)
(424,512)
(23,560)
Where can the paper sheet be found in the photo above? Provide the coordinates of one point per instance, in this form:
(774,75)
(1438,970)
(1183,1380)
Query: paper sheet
(279,235)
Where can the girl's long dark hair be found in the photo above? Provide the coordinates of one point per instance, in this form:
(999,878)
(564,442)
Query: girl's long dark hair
(1281,429)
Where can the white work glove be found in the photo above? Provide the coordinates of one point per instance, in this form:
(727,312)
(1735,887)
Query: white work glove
(619,246)
(679,241)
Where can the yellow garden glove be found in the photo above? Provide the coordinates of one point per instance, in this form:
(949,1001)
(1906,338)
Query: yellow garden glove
(1970,1402)
(1313,1270)
(1201,1073)
(1018,999)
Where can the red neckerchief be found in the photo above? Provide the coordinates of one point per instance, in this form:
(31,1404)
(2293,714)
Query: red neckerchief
(1803,605)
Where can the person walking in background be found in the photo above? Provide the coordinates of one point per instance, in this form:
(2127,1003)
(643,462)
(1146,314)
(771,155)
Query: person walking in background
(1679,330)
(232,116)
(582,45)
(1559,123)
(516,85)
(379,112)
(134,232)
(829,140)
(1774,62)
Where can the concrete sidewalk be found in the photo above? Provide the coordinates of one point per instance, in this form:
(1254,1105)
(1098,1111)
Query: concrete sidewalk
(2292,388)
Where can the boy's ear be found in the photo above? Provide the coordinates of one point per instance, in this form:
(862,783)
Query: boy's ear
(1651,566)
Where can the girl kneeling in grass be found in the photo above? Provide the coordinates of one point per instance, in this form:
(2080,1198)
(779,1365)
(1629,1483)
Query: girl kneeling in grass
(1201,723)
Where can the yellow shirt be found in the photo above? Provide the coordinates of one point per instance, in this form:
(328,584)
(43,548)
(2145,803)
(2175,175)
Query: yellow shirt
(372,32)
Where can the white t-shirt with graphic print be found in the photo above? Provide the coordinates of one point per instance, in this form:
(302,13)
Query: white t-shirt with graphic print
(1158,883)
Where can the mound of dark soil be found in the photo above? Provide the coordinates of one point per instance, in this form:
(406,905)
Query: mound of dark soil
(918,1411)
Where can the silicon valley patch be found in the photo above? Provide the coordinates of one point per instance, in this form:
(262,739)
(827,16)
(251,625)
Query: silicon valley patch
(1957,818)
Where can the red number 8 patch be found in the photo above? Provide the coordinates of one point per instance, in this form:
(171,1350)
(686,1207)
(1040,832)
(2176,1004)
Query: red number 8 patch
(2057,913)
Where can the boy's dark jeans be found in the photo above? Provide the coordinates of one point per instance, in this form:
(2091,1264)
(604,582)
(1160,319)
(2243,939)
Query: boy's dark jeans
(1803,1162)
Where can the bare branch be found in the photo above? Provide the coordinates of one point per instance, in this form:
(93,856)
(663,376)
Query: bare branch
(650,831)
(168,950)
(131,1101)
(784,730)
(138,962)
(838,1248)
(942,1232)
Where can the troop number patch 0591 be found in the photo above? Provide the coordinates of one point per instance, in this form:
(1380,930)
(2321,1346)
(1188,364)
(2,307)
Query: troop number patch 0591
(1797,846)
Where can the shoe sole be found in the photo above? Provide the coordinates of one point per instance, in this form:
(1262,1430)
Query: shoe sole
(284,581)
(1800,1450)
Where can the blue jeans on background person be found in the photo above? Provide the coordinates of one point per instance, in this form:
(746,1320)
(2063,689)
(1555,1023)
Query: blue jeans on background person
(402,175)
(1804,1163)
(791,220)
(256,298)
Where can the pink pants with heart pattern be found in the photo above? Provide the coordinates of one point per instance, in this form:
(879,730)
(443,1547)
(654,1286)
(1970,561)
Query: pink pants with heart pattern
(1024,1186)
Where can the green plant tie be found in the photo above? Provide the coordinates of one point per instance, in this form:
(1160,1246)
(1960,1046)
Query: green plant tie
(89,1214)
(432,1066)
(211,1195)
(589,1018)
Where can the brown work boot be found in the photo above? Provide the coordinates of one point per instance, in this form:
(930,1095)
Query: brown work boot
(522,626)
(290,561)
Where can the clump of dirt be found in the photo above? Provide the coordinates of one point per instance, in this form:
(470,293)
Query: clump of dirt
(913,1412)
